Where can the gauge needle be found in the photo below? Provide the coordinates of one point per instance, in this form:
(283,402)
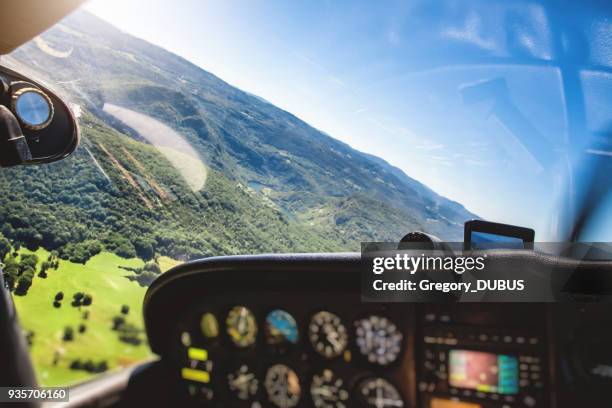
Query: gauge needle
(332,337)
(243,379)
(325,393)
(242,320)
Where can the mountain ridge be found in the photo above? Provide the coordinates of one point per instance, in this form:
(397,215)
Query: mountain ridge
(320,184)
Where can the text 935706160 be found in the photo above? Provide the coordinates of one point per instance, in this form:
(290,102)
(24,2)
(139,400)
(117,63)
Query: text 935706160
(26,394)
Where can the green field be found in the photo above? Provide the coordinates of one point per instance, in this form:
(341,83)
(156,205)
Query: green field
(101,277)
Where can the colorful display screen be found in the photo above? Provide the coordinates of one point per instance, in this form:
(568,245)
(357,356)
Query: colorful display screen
(485,372)
(444,403)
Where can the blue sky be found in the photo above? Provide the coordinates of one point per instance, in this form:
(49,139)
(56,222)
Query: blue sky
(363,74)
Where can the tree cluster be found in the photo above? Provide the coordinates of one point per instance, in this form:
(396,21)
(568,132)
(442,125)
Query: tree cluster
(89,365)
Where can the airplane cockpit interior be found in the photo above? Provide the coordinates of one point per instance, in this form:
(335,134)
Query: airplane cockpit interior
(258,203)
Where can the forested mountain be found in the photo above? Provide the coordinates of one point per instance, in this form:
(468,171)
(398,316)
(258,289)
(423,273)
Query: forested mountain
(272,184)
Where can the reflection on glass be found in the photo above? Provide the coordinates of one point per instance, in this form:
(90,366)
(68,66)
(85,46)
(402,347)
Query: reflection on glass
(173,146)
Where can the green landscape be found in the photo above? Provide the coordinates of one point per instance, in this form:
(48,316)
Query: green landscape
(57,357)
(101,225)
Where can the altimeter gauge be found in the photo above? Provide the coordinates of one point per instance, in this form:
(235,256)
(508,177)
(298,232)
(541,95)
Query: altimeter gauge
(327,334)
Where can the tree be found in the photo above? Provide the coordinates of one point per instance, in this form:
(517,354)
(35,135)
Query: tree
(29,338)
(128,333)
(144,248)
(89,366)
(80,252)
(23,284)
(125,250)
(102,367)
(87,299)
(59,295)
(125,309)
(118,322)
(5,247)
(68,334)
(152,267)
(28,261)
(82,328)
(56,357)
(77,298)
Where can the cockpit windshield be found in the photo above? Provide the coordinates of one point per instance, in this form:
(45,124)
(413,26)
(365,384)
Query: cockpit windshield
(244,127)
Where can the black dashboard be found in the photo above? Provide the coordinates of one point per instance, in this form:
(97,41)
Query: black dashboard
(293,331)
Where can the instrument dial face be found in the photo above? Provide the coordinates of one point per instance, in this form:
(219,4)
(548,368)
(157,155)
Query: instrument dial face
(243,383)
(241,326)
(378,339)
(283,386)
(281,328)
(327,391)
(201,393)
(327,334)
(378,393)
(209,326)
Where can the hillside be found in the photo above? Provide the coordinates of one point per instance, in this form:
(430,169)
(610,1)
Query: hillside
(174,164)
(272,182)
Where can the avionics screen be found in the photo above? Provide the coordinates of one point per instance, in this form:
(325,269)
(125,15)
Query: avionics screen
(485,240)
(485,372)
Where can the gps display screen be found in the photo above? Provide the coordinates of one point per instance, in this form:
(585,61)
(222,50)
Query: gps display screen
(484,372)
(485,240)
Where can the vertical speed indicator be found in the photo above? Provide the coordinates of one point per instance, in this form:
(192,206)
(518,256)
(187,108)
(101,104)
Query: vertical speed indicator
(378,339)
(283,386)
(328,391)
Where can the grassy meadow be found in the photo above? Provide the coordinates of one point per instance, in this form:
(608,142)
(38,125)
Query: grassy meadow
(106,282)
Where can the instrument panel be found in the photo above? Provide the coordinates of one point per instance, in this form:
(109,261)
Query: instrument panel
(288,351)
(293,331)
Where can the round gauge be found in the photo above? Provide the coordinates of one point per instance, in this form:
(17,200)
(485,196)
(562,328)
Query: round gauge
(281,328)
(243,383)
(209,325)
(241,326)
(378,339)
(327,390)
(327,334)
(33,108)
(200,393)
(185,339)
(283,386)
(378,393)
